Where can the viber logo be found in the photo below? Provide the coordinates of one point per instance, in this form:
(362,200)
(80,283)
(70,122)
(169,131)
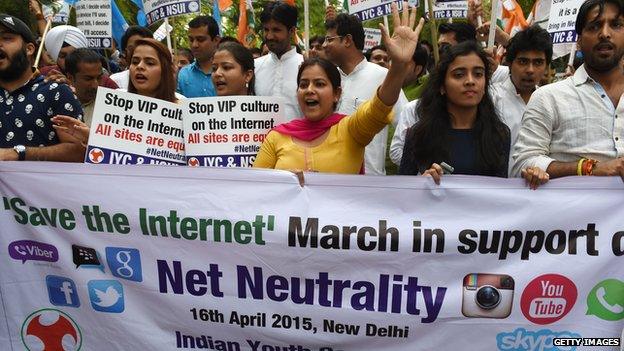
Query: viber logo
(28,250)
(527,340)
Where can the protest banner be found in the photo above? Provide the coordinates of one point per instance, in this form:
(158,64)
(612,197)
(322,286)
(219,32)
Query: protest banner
(156,10)
(246,259)
(449,9)
(371,9)
(372,37)
(228,131)
(562,19)
(93,18)
(134,129)
(58,11)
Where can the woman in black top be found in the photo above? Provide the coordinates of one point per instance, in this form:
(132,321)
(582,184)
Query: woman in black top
(457,122)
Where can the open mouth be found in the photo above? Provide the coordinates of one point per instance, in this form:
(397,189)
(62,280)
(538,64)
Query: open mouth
(311,102)
(605,47)
(220,85)
(139,78)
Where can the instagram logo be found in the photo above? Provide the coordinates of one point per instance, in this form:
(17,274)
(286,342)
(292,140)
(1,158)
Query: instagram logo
(487,295)
(548,298)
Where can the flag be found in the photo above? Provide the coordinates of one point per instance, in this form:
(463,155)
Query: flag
(224,4)
(290,2)
(245,33)
(540,13)
(140,17)
(216,13)
(118,23)
(512,17)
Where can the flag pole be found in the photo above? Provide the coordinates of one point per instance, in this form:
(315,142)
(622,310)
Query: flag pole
(306,34)
(43,36)
(168,35)
(493,19)
(434,33)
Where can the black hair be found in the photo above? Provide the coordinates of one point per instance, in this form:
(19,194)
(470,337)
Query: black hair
(587,6)
(228,39)
(186,53)
(255,51)
(348,25)
(463,31)
(80,55)
(280,12)
(330,70)
(144,32)
(369,52)
(317,39)
(420,56)
(534,38)
(427,141)
(206,21)
(243,57)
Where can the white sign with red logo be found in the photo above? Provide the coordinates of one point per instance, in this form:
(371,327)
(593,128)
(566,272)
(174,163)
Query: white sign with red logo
(93,18)
(134,129)
(228,131)
(172,258)
(372,38)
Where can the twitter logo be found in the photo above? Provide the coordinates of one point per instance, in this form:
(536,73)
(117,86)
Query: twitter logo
(106,296)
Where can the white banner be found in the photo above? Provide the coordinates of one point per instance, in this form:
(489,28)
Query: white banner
(228,131)
(448,9)
(371,9)
(167,258)
(372,38)
(134,129)
(562,20)
(156,10)
(93,18)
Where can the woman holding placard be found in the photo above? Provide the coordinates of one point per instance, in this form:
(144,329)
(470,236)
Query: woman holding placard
(152,72)
(323,140)
(233,70)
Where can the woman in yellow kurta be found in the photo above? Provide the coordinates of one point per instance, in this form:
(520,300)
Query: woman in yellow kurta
(323,140)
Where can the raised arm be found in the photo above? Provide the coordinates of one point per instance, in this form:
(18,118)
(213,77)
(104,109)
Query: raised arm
(401,47)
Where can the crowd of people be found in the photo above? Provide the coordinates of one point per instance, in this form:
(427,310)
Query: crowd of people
(470,113)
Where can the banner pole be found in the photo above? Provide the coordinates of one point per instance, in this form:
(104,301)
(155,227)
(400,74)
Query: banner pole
(434,33)
(306,34)
(385,20)
(493,18)
(43,36)
(168,35)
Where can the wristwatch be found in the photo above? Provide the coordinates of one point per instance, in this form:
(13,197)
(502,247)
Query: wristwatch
(21,152)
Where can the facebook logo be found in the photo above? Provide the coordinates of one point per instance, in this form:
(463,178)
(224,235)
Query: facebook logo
(62,291)
(124,263)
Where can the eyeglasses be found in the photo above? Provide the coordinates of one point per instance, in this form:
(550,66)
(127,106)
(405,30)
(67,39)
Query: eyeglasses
(329,39)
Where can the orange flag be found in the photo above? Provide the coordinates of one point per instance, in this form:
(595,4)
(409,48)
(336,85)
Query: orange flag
(245,33)
(224,4)
(513,18)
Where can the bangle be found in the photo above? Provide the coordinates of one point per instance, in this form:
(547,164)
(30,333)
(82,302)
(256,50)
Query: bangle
(579,166)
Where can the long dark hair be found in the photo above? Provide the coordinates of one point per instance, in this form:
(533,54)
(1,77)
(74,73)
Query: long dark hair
(243,57)
(167,86)
(429,137)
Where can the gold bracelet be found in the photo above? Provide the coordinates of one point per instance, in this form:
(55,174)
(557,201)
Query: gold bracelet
(579,167)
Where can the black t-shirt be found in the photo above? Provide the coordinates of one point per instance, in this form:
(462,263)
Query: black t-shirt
(25,113)
(463,156)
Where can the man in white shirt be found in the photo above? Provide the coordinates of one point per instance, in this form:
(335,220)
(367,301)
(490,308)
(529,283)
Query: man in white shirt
(343,46)
(529,54)
(576,126)
(276,72)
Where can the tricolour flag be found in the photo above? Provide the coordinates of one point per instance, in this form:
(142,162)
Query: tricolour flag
(512,17)
(245,33)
